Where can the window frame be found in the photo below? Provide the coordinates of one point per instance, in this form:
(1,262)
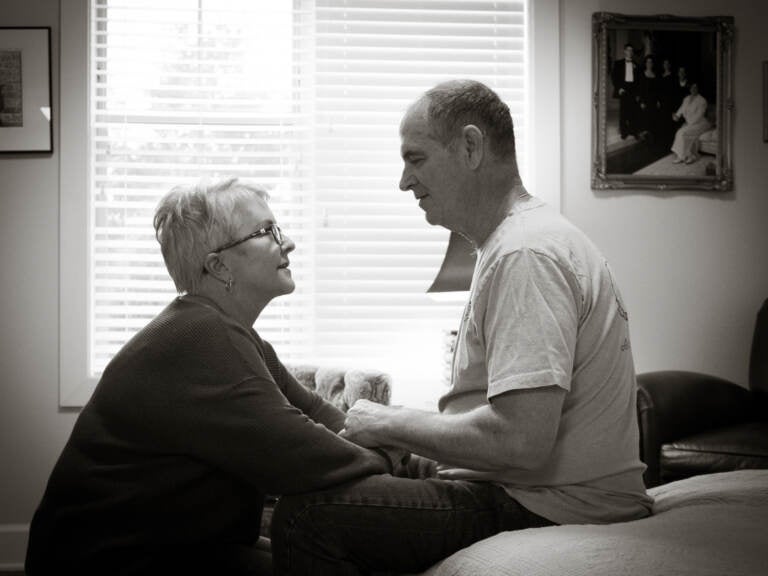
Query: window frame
(75,386)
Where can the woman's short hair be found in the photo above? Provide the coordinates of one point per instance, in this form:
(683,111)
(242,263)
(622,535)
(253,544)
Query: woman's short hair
(457,103)
(191,221)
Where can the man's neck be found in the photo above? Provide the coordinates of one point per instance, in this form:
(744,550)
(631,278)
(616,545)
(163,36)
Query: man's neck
(493,211)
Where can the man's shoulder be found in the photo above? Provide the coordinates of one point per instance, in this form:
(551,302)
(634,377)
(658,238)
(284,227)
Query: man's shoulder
(539,230)
(545,238)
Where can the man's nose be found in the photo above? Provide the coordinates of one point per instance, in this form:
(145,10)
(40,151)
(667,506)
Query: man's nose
(406,180)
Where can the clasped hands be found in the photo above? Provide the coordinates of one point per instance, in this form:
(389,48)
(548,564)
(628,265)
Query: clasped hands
(363,425)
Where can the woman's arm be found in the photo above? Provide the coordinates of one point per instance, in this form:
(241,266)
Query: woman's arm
(309,402)
(250,430)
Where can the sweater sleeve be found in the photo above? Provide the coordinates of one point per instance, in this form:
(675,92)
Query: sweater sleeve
(252,431)
(216,401)
(309,402)
(312,404)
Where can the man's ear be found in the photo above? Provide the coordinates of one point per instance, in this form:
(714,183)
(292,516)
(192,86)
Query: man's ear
(472,141)
(216,267)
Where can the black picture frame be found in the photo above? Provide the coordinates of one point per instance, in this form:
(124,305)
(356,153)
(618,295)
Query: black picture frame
(26,114)
(637,141)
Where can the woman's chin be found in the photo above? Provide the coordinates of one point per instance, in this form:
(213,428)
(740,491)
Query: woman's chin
(290,286)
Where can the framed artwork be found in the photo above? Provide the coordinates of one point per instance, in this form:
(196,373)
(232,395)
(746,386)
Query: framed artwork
(25,90)
(662,101)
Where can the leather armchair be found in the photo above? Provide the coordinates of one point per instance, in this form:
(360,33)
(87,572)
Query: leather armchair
(692,423)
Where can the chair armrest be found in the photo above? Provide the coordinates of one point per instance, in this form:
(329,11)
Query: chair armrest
(673,404)
(683,403)
(650,447)
(758,361)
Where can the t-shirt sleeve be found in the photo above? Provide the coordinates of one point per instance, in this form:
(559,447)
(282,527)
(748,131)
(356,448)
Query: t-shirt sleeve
(530,323)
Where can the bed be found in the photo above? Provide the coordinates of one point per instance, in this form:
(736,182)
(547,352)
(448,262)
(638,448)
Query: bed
(709,525)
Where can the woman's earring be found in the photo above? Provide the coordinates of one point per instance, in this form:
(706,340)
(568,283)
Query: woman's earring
(228,285)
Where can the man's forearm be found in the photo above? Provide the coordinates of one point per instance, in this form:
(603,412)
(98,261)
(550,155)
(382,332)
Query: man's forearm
(449,439)
(515,430)
(431,435)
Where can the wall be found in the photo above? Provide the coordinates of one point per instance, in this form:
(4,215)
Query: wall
(32,430)
(691,265)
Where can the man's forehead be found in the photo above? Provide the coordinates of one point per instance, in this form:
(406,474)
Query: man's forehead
(415,141)
(415,131)
(414,115)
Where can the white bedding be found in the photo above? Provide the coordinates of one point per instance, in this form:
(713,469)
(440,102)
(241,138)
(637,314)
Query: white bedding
(711,525)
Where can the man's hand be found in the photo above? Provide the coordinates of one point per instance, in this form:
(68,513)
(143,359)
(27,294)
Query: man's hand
(363,420)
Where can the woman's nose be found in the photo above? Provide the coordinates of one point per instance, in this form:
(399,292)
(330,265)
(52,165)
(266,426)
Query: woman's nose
(288,245)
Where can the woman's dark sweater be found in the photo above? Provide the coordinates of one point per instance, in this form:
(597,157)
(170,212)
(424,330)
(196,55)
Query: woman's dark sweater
(191,424)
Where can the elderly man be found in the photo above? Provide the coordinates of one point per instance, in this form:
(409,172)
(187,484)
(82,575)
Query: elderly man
(539,426)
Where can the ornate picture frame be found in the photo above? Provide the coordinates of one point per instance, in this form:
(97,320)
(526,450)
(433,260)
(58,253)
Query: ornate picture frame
(662,102)
(26,124)
(765,100)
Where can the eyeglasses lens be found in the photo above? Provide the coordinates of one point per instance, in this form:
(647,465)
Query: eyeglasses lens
(277,234)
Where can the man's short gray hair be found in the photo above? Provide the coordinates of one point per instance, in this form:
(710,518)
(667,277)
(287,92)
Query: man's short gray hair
(454,104)
(191,221)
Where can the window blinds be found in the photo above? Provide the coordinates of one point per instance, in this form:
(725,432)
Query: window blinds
(305,97)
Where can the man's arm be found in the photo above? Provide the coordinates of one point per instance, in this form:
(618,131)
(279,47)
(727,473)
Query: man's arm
(531,333)
(516,430)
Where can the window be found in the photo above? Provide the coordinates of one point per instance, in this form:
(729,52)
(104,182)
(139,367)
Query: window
(305,97)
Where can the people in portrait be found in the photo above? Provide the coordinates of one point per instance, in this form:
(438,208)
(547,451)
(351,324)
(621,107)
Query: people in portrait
(624,76)
(693,112)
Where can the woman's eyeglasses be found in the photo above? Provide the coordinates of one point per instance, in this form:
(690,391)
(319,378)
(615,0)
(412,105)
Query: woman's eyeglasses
(273,229)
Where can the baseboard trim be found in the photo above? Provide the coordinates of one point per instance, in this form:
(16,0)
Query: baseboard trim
(13,546)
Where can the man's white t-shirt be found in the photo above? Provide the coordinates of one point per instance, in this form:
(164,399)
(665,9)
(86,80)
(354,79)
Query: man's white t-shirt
(544,310)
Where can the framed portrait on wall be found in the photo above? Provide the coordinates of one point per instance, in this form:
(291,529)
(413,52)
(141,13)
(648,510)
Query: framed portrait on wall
(25,90)
(662,102)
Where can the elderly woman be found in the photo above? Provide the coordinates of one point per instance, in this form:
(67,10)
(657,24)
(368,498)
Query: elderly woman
(195,419)
(694,111)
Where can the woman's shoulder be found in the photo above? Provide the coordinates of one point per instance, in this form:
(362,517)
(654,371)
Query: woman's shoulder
(193,329)
(207,337)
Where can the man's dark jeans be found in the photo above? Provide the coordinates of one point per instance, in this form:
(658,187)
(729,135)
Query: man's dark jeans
(389,524)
